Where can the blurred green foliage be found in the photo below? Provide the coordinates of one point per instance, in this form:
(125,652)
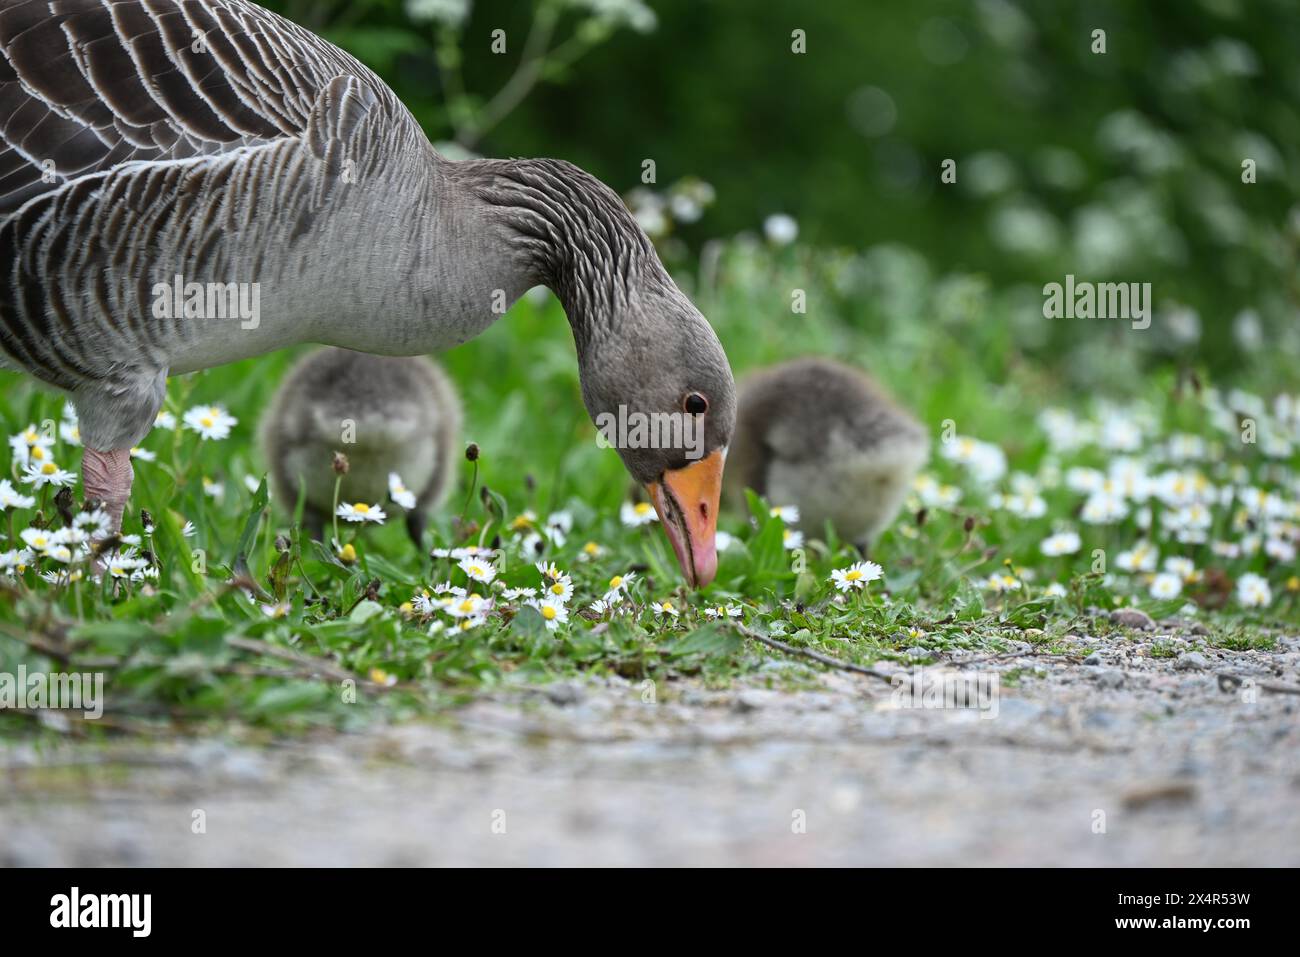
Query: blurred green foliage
(1122,165)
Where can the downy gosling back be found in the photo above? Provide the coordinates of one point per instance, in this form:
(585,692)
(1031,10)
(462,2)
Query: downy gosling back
(824,437)
(389,415)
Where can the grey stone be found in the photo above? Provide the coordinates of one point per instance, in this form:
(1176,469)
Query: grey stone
(1192,661)
(1132,618)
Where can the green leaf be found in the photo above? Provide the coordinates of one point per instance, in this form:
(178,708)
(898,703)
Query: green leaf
(707,640)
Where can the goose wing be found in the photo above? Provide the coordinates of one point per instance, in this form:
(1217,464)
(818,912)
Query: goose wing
(90,85)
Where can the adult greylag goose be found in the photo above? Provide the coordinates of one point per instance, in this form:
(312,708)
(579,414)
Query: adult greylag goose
(153,144)
(824,437)
(390,415)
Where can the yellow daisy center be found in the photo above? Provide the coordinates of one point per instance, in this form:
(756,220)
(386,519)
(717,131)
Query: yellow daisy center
(38,452)
(49,468)
(557,589)
(467,606)
(361,508)
(616,581)
(591,548)
(548,612)
(207,421)
(641,508)
(853,575)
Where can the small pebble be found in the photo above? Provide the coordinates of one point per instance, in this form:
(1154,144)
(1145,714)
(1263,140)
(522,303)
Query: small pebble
(1192,661)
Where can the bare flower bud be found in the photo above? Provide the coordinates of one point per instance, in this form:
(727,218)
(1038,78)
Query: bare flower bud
(471,452)
(340,464)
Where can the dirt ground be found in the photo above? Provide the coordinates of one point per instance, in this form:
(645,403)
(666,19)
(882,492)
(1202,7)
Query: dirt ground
(1110,757)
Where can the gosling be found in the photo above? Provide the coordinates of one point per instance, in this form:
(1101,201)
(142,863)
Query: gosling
(387,415)
(824,437)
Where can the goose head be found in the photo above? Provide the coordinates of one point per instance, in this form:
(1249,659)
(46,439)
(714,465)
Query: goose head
(647,359)
(661,392)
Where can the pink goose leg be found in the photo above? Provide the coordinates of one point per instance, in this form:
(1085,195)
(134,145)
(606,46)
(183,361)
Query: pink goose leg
(107,477)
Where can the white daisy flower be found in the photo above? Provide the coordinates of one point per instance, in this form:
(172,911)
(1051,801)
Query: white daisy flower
(792,539)
(786,513)
(30,445)
(210,421)
(188,530)
(213,489)
(70,432)
(549,570)
(1279,549)
(856,576)
(1002,582)
(16,560)
(478,569)
(723,540)
(1184,568)
(1062,543)
(143,455)
(164,420)
(1055,590)
(553,612)
(591,550)
(620,583)
(39,540)
(1253,591)
(1142,557)
(9,497)
(665,608)
(39,475)
(640,513)
(467,606)
(559,589)
(1103,508)
(514,594)
(361,512)
(1166,585)
(723,611)
(399,493)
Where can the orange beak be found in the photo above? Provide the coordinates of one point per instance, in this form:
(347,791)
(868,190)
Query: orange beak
(687,502)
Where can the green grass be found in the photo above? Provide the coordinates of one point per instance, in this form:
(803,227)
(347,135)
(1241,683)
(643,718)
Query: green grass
(197,645)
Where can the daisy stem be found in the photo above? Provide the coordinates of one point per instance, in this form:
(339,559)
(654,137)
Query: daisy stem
(338,482)
(473,483)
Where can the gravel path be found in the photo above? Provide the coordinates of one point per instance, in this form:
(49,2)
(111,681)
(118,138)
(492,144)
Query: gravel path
(1125,760)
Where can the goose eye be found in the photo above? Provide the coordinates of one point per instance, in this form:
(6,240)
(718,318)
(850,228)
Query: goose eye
(695,404)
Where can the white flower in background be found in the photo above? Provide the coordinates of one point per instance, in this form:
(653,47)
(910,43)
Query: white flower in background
(466,606)
(723,540)
(1084,480)
(786,513)
(188,530)
(59,553)
(252,483)
(210,421)
(553,612)
(639,513)
(94,523)
(1129,477)
(1189,524)
(1226,549)
(164,420)
(1279,549)
(16,561)
(1185,447)
(856,576)
(933,495)
(1253,591)
(1062,543)
(30,445)
(603,606)
(1020,504)
(1184,568)
(514,594)
(47,473)
(70,432)
(619,584)
(477,569)
(399,493)
(1143,557)
(124,564)
(1064,432)
(470,622)
(558,589)
(9,497)
(1166,585)
(1002,582)
(986,462)
(723,611)
(630,13)
(449,12)
(558,526)
(361,512)
(549,570)
(1103,508)
(469,551)
(1120,433)
(665,608)
(792,539)
(143,455)
(1179,488)
(1055,590)
(591,550)
(780,229)
(213,489)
